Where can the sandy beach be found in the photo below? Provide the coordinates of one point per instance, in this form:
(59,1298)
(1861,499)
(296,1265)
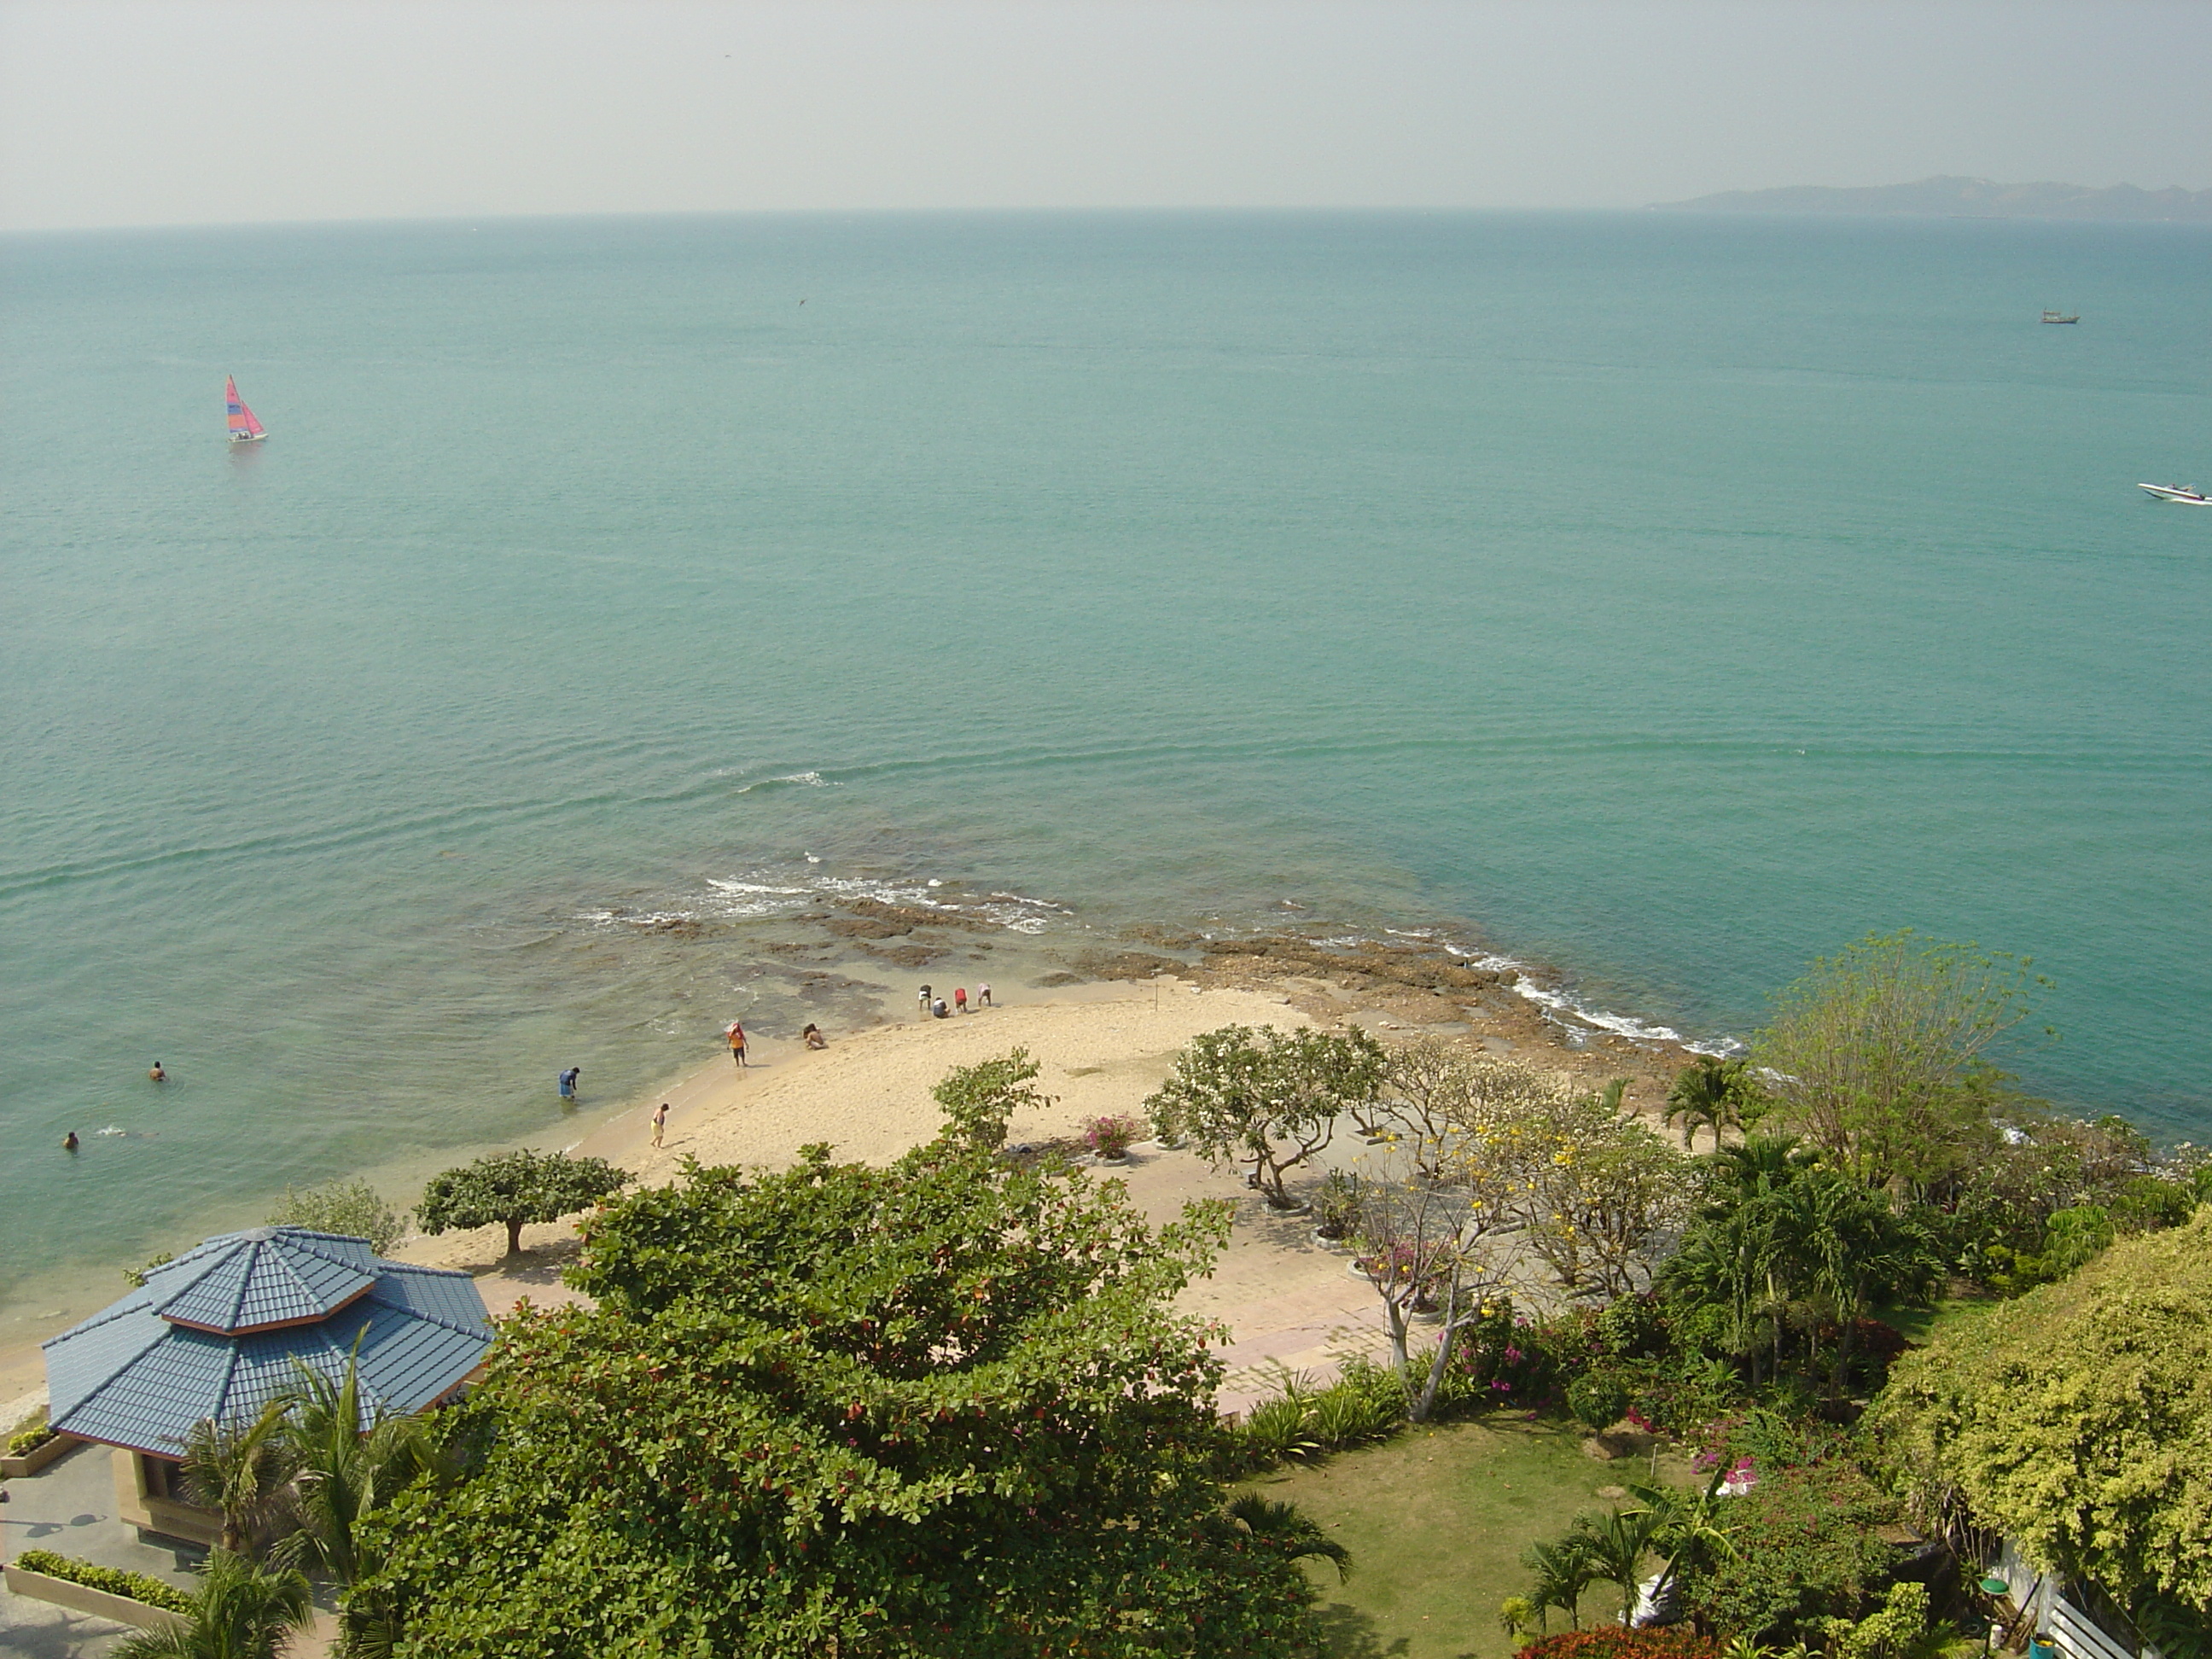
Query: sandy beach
(1103,1045)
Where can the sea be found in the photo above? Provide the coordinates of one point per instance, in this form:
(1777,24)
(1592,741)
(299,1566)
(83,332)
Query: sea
(1657,600)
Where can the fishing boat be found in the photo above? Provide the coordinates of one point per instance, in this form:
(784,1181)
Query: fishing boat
(2061,316)
(243,429)
(2181,493)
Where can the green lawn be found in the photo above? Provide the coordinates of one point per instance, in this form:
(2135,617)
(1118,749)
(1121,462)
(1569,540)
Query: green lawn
(1436,1521)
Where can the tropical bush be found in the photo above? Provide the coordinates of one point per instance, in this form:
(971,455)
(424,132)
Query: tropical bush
(2077,1420)
(239,1611)
(1598,1400)
(114,1581)
(350,1207)
(980,1100)
(1611,1642)
(34,1434)
(1806,1544)
(942,1408)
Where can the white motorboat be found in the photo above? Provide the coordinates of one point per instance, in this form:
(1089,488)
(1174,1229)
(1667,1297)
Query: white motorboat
(2181,493)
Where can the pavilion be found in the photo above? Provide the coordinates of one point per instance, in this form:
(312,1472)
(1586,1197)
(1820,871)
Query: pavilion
(214,1335)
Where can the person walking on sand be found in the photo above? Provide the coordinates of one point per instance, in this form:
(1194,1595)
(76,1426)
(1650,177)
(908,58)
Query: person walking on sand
(157,1073)
(737,1036)
(659,1121)
(567,1081)
(960,999)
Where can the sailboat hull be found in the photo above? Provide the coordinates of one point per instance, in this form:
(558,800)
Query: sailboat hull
(247,437)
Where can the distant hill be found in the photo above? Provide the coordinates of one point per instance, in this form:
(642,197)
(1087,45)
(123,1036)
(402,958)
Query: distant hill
(1967,198)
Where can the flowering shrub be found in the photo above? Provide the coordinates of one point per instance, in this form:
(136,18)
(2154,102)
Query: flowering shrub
(1611,1642)
(1111,1137)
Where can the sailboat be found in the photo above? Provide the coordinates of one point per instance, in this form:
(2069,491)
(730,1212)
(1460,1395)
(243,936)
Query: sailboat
(243,429)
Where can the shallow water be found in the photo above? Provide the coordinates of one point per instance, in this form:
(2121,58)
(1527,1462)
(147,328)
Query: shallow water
(1670,599)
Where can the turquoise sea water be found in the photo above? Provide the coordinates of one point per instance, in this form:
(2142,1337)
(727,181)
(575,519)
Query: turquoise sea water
(1669,599)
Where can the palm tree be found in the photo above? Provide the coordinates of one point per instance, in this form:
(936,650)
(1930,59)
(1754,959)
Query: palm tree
(240,1611)
(1564,1572)
(345,1470)
(242,1470)
(1288,1532)
(1708,1091)
(1686,1530)
(1617,1545)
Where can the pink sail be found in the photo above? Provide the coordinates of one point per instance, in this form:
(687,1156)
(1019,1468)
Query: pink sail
(243,429)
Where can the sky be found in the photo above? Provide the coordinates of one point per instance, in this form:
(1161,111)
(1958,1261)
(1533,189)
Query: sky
(171,112)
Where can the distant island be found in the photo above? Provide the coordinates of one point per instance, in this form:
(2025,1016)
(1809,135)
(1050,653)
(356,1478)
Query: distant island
(1967,198)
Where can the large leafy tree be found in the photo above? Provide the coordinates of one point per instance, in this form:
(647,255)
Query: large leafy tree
(1880,1053)
(1267,1099)
(943,1407)
(2077,1420)
(513,1188)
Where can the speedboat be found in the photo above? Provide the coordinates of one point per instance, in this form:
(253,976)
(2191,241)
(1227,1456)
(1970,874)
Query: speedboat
(2181,493)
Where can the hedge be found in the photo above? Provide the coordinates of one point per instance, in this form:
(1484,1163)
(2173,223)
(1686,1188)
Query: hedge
(1611,1642)
(134,1586)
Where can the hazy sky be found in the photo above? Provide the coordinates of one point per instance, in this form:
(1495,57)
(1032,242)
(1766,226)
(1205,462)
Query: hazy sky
(176,112)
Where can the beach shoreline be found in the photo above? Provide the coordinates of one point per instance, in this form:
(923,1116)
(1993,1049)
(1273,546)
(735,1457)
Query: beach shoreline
(1104,1042)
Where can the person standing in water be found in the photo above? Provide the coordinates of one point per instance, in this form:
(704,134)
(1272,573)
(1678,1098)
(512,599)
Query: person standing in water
(983,994)
(567,1081)
(737,1036)
(659,1121)
(69,1141)
(924,1002)
(960,999)
(157,1073)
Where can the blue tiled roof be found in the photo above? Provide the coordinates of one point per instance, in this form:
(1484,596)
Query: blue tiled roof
(269,1276)
(130,1377)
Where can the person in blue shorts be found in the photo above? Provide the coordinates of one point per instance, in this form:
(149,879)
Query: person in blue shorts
(568,1080)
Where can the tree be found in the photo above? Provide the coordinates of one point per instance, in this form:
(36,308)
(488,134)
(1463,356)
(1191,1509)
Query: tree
(980,1100)
(945,1408)
(345,1470)
(350,1207)
(243,1470)
(2077,1421)
(1708,1091)
(514,1188)
(240,1611)
(1265,1098)
(1880,1053)
(1417,1245)
(1600,1194)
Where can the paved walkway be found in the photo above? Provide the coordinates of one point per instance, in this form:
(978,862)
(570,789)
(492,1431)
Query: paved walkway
(68,1507)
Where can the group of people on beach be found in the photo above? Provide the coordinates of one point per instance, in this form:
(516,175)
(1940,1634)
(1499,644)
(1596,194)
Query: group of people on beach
(935,1006)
